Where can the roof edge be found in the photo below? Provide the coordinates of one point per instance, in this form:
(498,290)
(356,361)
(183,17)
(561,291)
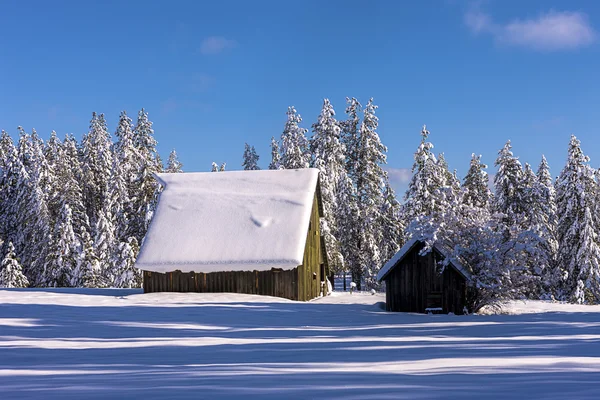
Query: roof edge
(408,246)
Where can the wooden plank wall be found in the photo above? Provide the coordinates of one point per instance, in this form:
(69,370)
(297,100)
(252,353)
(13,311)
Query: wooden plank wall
(415,284)
(268,283)
(309,273)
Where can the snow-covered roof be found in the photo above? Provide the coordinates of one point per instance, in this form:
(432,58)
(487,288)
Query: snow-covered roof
(408,246)
(230,221)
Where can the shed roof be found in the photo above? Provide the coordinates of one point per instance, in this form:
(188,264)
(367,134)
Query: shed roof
(230,221)
(408,246)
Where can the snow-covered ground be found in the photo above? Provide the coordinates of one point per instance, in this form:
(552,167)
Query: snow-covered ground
(85,344)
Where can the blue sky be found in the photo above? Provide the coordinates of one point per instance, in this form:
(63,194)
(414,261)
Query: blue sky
(213,75)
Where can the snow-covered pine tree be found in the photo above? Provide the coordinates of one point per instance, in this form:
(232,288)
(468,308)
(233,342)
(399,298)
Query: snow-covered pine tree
(88,271)
(11,170)
(294,145)
(275,156)
(126,275)
(69,187)
(30,209)
(64,253)
(250,159)
(348,212)
(476,192)
(173,164)
(369,185)
(351,136)
(52,154)
(122,207)
(146,186)
(222,167)
(509,188)
(544,219)
(391,223)
(328,155)
(214,167)
(105,245)
(347,227)
(578,254)
(536,258)
(96,163)
(519,246)
(11,273)
(124,187)
(425,195)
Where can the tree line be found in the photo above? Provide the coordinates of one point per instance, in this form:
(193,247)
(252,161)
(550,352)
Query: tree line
(72,214)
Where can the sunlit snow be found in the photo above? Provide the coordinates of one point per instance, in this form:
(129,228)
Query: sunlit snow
(109,343)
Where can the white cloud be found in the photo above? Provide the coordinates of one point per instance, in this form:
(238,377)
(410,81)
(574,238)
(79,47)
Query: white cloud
(399,175)
(216,44)
(552,31)
(399,179)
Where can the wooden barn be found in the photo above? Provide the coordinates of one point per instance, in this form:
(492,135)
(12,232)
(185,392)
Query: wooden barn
(253,232)
(414,284)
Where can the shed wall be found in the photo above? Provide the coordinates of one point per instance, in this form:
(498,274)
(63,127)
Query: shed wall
(415,285)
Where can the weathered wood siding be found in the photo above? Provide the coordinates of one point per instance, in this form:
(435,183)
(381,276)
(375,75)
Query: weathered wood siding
(415,285)
(302,283)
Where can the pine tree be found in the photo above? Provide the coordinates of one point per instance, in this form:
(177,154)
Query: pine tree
(124,187)
(294,145)
(53,155)
(222,167)
(11,170)
(96,163)
(369,185)
(576,230)
(11,274)
(64,254)
(544,211)
(476,192)
(88,272)
(509,189)
(126,275)
(69,187)
(391,224)
(146,186)
(425,195)
(122,207)
(512,188)
(30,210)
(328,155)
(250,159)
(105,245)
(173,165)
(275,156)
(351,136)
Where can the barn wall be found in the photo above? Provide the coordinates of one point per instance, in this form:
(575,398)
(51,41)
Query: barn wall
(276,283)
(302,283)
(309,273)
(415,285)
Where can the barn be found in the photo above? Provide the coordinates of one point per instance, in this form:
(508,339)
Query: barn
(253,232)
(414,284)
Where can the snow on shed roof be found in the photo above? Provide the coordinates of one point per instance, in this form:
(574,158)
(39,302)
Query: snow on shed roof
(408,246)
(230,221)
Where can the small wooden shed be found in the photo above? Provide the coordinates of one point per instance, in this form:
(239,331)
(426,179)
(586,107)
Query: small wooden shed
(253,232)
(414,284)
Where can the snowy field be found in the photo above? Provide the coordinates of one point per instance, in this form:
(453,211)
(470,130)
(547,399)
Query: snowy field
(97,344)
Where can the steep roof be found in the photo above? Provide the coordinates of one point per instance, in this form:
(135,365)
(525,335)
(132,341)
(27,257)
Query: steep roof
(230,221)
(408,246)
